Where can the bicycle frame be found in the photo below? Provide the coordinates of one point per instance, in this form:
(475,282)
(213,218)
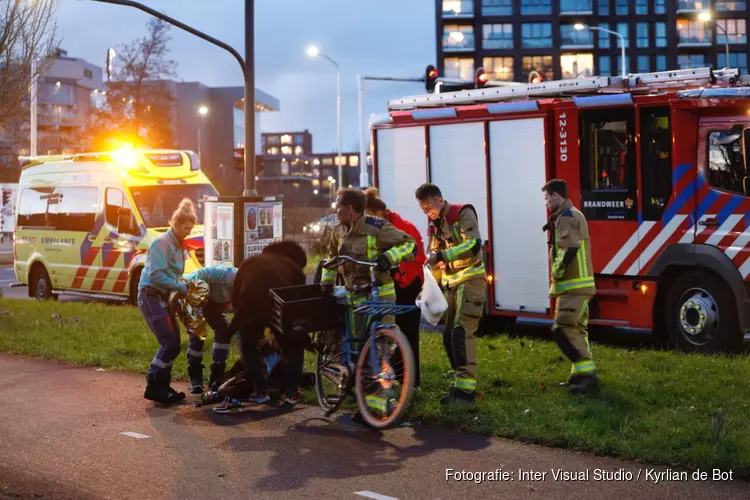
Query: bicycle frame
(373,310)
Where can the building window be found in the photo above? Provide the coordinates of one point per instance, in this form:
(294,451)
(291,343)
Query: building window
(622,28)
(87,73)
(621,7)
(736,60)
(536,7)
(603,7)
(660,7)
(604,36)
(540,64)
(730,5)
(273,139)
(462,68)
(286,150)
(661,34)
(297,150)
(661,63)
(689,61)
(499,68)
(627,64)
(641,35)
(497,36)
(273,151)
(571,36)
(327,161)
(575,7)
(457,37)
(726,165)
(605,66)
(354,161)
(536,35)
(644,65)
(693,5)
(576,66)
(693,32)
(286,139)
(735,31)
(455,8)
(299,139)
(641,7)
(497,7)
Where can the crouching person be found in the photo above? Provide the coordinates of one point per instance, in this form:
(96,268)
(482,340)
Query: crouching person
(280,265)
(220,280)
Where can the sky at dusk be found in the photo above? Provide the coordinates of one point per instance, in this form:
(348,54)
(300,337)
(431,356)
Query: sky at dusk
(377,38)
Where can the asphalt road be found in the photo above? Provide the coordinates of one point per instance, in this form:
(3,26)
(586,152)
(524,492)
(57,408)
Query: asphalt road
(63,426)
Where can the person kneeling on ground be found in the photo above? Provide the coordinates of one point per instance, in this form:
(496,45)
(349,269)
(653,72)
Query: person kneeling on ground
(280,265)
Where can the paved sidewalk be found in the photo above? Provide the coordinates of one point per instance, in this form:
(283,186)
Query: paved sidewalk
(63,426)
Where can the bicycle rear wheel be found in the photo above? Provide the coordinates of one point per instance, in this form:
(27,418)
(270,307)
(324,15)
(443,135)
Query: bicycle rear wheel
(383,397)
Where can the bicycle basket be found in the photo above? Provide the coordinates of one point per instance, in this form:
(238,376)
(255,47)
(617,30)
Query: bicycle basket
(302,309)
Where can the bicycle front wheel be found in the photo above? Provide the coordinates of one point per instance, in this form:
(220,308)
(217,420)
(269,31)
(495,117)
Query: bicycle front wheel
(384,393)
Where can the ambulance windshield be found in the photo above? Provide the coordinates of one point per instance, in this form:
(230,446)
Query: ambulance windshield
(156,203)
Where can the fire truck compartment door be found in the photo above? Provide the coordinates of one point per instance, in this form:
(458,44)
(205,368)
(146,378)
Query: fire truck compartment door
(519,246)
(401,168)
(458,165)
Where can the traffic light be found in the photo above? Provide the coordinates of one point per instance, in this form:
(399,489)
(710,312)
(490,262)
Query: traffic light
(481,78)
(430,78)
(535,77)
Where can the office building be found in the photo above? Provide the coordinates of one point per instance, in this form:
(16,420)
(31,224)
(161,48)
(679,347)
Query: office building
(511,38)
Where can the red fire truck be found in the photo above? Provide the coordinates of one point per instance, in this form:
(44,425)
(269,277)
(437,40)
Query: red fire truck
(654,161)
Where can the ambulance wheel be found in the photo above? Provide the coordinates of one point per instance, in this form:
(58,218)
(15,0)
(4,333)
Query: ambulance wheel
(135,277)
(701,315)
(40,286)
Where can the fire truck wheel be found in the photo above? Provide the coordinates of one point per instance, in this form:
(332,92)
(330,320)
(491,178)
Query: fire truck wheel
(701,315)
(135,277)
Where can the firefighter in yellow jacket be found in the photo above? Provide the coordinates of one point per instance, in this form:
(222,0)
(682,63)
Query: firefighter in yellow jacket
(370,239)
(456,246)
(572,283)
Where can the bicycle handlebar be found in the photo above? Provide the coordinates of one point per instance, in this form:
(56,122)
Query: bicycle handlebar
(336,261)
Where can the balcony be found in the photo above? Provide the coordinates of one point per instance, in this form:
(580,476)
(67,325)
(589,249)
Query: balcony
(570,38)
(687,6)
(458,9)
(458,41)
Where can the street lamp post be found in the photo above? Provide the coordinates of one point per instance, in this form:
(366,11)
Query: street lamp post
(580,26)
(314,51)
(705,16)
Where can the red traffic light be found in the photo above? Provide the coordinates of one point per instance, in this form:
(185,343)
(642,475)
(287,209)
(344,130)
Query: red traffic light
(484,78)
(432,74)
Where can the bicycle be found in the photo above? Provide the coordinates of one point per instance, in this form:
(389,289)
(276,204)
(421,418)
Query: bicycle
(383,392)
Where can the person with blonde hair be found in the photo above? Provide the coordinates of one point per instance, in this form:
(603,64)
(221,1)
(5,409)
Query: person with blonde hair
(165,265)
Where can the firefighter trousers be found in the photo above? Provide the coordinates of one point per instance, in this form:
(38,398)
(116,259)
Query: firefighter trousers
(570,332)
(465,308)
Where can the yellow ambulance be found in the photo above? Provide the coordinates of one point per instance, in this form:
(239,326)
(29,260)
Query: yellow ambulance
(84,222)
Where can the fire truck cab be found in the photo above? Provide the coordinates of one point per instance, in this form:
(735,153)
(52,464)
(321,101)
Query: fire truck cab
(656,162)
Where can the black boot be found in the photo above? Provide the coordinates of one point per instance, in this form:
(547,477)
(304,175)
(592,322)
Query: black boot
(195,372)
(217,371)
(156,390)
(588,382)
(174,396)
(458,396)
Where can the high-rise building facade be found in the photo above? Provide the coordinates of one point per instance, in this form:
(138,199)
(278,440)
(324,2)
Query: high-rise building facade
(511,38)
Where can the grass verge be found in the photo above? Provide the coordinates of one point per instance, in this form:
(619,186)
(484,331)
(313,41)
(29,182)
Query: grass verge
(660,407)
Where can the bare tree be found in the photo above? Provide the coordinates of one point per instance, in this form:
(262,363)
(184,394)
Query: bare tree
(27,33)
(139,101)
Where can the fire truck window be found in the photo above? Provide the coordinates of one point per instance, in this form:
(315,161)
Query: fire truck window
(656,161)
(725,162)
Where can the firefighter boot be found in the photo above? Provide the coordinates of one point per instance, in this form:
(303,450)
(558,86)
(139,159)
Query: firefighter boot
(458,396)
(195,372)
(156,390)
(587,382)
(217,371)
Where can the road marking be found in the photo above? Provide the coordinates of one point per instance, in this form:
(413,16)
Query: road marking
(372,494)
(135,435)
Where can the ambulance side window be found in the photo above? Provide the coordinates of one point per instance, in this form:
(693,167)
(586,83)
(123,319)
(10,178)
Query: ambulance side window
(75,208)
(656,161)
(33,208)
(608,164)
(726,167)
(115,202)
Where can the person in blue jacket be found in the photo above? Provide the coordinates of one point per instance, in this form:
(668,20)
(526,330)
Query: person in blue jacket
(220,280)
(165,265)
